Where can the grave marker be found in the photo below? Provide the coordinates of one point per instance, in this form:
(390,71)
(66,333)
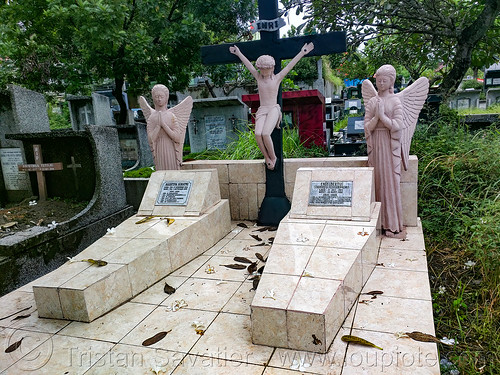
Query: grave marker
(275,204)
(40,167)
(74,166)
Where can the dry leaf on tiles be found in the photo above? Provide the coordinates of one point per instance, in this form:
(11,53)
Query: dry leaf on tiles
(234,266)
(169,221)
(263,229)
(359,340)
(168,289)
(252,268)
(255,282)
(242,225)
(260,257)
(259,244)
(255,237)
(316,341)
(14,346)
(270,240)
(374,292)
(242,260)
(95,262)
(17,312)
(145,220)
(424,337)
(19,317)
(261,270)
(153,340)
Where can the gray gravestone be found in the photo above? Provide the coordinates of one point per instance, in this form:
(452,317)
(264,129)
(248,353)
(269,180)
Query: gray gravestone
(21,111)
(215,122)
(89,110)
(465,99)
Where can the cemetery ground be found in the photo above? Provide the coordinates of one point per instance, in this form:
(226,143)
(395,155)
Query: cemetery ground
(31,212)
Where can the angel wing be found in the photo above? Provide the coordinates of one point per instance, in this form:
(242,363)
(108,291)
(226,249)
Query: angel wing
(368,91)
(412,99)
(181,113)
(146,109)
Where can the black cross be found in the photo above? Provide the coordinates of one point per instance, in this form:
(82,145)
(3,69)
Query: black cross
(275,205)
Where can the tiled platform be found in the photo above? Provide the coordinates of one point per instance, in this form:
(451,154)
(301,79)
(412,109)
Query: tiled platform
(220,301)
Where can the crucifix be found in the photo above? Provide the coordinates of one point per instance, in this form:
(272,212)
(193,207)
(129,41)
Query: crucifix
(275,204)
(39,167)
(74,166)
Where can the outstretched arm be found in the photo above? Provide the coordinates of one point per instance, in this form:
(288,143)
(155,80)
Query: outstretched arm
(308,47)
(236,51)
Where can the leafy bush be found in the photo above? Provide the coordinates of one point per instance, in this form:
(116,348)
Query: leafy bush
(59,120)
(459,204)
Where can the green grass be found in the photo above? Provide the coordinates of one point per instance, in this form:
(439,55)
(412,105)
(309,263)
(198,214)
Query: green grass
(477,111)
(459,203)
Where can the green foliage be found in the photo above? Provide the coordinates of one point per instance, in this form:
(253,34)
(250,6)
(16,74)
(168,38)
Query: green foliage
(67,45)
(139,173)
(59,119)
(491,109)
(471,84)
(245,148)
(416,34)
(459,203)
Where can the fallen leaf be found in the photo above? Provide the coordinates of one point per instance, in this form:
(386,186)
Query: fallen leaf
(242,260)
(234,266)
(261,270)
(144,220)
(260,257)
(316,341)
(374,292)
(255,283)
(252,268)
(263,229)
(424,337)
(17,312)
(270,240)
(168,289)
(359,340)
(153,340)
(95,262)
(255,237)
(22,317)
(243,225)
(259,244)
(14,346)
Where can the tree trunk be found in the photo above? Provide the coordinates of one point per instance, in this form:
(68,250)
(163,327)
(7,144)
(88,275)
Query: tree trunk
(468,39)
(118,94)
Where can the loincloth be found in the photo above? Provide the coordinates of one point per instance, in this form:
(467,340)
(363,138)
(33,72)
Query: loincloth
(264,110)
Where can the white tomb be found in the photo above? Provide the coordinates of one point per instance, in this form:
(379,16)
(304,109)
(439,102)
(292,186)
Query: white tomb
(139,254)
(324,251)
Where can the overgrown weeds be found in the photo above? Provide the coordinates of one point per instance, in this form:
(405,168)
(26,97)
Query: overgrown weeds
(459,203)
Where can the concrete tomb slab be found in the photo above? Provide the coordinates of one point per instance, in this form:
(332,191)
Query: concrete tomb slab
(139,254)
(324,252)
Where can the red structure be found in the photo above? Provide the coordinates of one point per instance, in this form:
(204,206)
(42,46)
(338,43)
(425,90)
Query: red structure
(305,109)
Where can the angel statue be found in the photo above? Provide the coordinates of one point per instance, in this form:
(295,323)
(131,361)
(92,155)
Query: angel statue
(269,113)
(166,128)
(390,121)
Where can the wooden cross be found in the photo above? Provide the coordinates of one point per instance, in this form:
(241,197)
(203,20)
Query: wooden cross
(275,204)
(74,166)
(39,167)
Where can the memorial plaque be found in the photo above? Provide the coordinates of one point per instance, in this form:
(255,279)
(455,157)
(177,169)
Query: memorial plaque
(331,193)
(216,132)
(13,178)
(174,193)
(359,125)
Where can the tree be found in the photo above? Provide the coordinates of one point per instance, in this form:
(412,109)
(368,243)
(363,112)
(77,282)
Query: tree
(67,45)
(460,33)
